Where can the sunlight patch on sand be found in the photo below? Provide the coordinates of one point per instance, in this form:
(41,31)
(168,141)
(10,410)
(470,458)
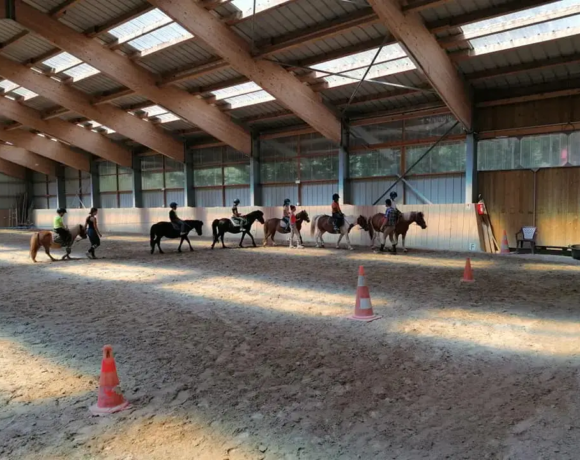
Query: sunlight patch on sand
(404,259)
(503,332)
(108,271)
(30,378)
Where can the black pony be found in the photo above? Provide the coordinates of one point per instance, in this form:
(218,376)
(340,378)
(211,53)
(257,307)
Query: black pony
(222,226)
(166,229)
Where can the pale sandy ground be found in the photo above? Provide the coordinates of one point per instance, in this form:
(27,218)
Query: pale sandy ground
(245,354)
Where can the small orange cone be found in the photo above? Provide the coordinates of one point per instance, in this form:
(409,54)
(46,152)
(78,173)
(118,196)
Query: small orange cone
(505,247)
(110,397)
(363,310)
(467,273)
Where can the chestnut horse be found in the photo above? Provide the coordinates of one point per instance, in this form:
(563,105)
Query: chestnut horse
(374,224)
(323,224)
(273,225)
(45,239)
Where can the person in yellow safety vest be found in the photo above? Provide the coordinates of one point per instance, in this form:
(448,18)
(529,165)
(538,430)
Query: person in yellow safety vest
(60,228)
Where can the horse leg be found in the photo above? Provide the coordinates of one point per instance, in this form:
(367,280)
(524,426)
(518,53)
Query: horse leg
(350,248)
(272,238)
(47,251)
(266,236)
(339,240)
(253,241)
(403,241)
(180,243)
(242,240)
(320,233)
(222,238)
(159,245)
(189,242)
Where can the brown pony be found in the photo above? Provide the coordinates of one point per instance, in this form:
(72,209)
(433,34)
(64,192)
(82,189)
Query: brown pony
(374,224)
(44,239)
(323,224)
(273,225)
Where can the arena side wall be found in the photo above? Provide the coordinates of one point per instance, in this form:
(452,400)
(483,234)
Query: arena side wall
(450,227)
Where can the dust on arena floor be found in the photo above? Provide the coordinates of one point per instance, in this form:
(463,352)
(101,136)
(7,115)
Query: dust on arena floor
(246,354)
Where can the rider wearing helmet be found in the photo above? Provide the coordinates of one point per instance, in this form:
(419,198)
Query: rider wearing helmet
(60,228)
(178,224)
(393,196)
(390,223)
(236,216)
(286,215)
(337,215)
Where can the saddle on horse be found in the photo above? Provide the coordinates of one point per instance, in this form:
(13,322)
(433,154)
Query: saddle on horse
(61,236)
(238,222)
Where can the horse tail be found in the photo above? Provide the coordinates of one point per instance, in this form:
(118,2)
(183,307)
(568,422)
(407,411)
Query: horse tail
(214,227)
(34,246)
(313,224)
(371,229)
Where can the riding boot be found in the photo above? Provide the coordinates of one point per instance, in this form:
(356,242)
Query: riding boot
(394,250)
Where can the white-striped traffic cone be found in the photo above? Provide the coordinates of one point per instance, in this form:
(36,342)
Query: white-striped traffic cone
(363,310)
(505,247)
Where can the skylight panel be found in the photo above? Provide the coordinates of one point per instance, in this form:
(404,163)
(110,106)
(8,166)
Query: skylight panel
(81,71)
(167,117)
(379,70)
(535,25)
(154,110)
(7,86)
(247,6)
(363,59)
(62,62)
(245,100)
(168,34)
(236,90)
(25,93)
(140,25)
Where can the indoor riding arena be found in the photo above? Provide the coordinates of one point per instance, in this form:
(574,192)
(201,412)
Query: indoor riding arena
(289,229)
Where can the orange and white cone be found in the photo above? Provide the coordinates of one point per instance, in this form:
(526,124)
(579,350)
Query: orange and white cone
(468,273)
(110,399)
(505,247)
(363,310)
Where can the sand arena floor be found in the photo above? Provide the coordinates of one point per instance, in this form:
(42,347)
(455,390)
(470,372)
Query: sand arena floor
(245,354)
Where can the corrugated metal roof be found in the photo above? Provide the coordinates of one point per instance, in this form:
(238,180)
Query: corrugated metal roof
(28,48)
(210,79)
(293,16)
(44,5)
(97,84)
(40,103)
(457,8)
(258,109)
(90,13)
(129,100)
(9,29)
(346,39)
(182,55)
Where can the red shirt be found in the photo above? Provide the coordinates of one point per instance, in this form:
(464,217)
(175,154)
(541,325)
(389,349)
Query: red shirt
(293,218)
(335,207)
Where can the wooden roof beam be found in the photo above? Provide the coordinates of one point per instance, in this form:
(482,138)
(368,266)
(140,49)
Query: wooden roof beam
(27,159)
(286,88)
(210,119)
(63,8)
(76,101)
(72,134)
(423,49)
(420,5)
(44,147)
(12,169)
(14,40)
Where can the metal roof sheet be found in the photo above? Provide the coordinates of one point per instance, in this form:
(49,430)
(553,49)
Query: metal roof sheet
(184,54)
(257,109)
(28,48)
(90,13)
(210,79)
(97,84)
(44,5)
(40,103)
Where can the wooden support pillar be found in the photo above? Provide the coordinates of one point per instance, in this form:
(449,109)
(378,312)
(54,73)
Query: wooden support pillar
(256,198)
(189,183)
(471,169)
(343,181)
(60,187)
(95,185)
(137,185)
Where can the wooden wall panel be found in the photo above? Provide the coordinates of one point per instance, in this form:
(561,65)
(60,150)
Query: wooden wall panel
(558,206)
(509,197)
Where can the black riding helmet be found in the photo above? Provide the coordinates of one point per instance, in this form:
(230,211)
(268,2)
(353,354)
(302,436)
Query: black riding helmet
(393,196)
(335,197)
(61,210)
(173,205)
(287,201)
(236,201)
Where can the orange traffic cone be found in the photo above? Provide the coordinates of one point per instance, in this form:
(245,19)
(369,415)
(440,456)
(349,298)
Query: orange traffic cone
(467,273)
(363,310)
(110,397)
(505,247)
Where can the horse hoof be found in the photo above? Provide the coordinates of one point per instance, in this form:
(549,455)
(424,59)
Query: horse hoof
(351,249)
